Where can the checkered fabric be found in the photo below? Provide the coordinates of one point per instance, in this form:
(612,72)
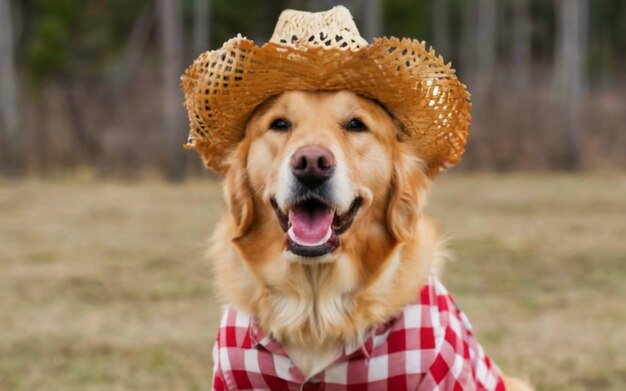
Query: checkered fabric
(429,346)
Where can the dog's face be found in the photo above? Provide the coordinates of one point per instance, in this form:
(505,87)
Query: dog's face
(317,175)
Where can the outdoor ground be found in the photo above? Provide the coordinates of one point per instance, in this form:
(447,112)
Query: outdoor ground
(103,286)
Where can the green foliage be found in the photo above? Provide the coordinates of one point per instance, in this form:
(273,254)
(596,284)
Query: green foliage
(83,38)
(48,49)
(408,18)
(250,18)
(76,37)
(607,36)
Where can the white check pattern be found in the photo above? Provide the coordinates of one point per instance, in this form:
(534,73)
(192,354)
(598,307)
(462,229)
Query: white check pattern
(429,346)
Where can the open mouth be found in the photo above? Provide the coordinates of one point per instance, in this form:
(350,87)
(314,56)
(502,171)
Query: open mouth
(313,227)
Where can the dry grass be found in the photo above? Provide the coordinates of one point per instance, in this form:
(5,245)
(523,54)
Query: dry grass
(103,285)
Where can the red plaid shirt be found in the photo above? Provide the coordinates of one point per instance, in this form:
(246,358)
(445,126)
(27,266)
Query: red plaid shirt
(429,346)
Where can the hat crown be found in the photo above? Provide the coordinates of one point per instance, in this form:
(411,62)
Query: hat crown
(332,29)
(325,52)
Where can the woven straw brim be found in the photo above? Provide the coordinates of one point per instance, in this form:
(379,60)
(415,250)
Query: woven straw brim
(223,87)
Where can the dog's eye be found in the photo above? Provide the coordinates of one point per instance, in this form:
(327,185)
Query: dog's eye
(355,125)
(280,125)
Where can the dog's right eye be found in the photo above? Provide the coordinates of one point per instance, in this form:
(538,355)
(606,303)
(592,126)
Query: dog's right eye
(280,125)
(355,125)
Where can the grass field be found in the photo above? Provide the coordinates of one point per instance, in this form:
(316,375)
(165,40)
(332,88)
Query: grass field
(103,286)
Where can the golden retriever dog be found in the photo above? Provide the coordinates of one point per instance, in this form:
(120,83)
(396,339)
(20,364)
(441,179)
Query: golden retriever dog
(324,237)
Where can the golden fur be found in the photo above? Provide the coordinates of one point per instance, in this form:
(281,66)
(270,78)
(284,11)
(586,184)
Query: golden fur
(314,308)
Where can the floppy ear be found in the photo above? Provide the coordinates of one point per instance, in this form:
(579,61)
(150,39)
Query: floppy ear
(210,154)
(408,186)
(237,190)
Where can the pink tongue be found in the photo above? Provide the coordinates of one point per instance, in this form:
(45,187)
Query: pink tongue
(310,226)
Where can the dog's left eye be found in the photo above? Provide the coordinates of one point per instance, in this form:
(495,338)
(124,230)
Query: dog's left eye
(280,125)
(355,125)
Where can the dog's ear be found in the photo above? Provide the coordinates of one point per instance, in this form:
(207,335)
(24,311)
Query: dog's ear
(237,190)
(210,155)
(409,185)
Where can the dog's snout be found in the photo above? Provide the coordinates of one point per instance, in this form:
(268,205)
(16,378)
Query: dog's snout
(312,165)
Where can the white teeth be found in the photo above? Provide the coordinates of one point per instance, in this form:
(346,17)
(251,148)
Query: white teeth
(293,237)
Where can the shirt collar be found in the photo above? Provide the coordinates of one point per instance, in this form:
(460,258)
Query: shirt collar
(375,338)
(258,338)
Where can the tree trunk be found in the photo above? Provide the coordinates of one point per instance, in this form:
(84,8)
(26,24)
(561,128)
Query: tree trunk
(468,43)
(486,47)
(40,147)
(201,27)
(441,28)
(125,67)
(584,21)
(172,41)
(372,19)
(88,145)
(572,16)
(521,46)
(9,117)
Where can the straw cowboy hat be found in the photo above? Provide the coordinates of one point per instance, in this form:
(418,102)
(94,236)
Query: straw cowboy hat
(324,52)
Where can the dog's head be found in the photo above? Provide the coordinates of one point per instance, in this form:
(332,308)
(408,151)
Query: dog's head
(319,175)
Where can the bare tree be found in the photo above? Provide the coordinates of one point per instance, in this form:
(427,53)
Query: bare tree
(583,18)
(441,27)
(172,41)
(9,118)
(486,46)
(570,72)
(201,27)
(521,45)
(468,42)
(125,67)
(372,18)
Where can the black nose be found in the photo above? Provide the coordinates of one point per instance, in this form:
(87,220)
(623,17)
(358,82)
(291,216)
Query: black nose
(312,165)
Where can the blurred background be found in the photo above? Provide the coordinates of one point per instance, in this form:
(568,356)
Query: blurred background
(95,84)
(104,217)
